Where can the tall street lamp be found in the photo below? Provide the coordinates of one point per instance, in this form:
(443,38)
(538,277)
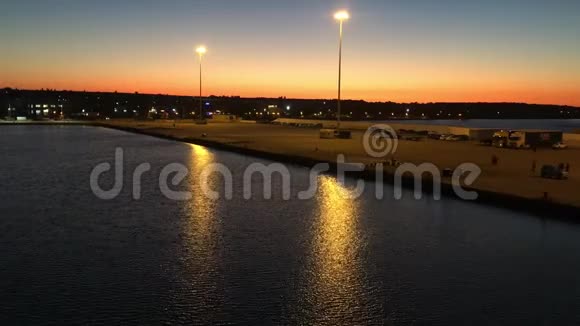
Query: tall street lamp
(341,16)
(201,50)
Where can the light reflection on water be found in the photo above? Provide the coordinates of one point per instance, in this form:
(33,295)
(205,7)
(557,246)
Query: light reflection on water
(202,228)
(201,209)
(69,256)
(336,240)
(336,288)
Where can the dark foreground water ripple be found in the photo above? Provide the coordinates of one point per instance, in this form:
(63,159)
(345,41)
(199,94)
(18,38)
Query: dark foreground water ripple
(71,258)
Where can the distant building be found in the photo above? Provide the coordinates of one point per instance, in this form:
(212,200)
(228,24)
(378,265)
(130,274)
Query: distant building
(273,111)
(45,110)
(225,118)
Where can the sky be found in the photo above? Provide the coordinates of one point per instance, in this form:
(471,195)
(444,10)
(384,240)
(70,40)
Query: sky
(403,51)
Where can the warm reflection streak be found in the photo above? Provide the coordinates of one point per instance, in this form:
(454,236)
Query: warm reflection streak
(202,229)
(336,245)
(201,207)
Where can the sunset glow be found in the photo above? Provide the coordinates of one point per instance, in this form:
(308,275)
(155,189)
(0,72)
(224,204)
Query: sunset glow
(450,51)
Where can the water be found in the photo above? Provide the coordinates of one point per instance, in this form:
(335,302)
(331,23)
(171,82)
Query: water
(68,256)
(565,125)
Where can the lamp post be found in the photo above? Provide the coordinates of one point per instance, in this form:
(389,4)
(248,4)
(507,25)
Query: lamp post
(341,16)
(201,50)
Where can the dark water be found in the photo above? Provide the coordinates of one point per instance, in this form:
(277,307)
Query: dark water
(565,125)
(69,257)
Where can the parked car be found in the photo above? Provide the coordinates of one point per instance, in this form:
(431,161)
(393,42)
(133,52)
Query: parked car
(559,145)
(458,138)
(444,137)
(449,137)
(411,138)
(434,135)
(553,172)
(384,133)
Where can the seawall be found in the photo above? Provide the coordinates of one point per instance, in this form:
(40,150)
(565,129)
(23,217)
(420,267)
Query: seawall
(537,207)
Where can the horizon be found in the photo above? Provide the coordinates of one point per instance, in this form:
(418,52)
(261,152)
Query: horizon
(277,97)
(448,52)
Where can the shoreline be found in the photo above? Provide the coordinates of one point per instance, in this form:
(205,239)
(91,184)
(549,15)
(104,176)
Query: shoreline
(46,123)
(536,207)
(533,206)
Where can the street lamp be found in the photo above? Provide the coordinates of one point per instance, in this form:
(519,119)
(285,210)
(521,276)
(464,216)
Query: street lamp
(201,50)
(340,16)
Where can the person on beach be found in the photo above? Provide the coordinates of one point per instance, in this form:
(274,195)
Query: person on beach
(494,160)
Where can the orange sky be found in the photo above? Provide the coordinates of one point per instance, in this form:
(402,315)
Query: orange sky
(382,81)
(414,55)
